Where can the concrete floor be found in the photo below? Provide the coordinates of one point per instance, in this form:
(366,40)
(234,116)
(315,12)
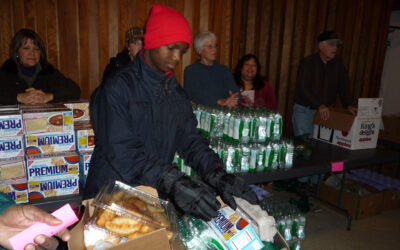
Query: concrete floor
(326,230)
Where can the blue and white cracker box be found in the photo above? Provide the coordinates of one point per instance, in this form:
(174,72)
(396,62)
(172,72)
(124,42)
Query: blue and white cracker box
(80,109)
(17,191)
(234,230)
(12,169)
(47,143)
(63,185)
(84,162)
(84,135)
(52,166)
(11,146)
(42,120)
(11,123)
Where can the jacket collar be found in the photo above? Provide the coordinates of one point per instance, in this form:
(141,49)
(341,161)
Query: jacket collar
(151,76)
(11,67)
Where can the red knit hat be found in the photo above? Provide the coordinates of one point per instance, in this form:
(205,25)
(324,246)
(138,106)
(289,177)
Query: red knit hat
(166,26)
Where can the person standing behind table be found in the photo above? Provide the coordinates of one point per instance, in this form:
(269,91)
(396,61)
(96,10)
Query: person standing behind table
(26,77)
(320,78)
(141,117)
(206,81)
(133,44)
(16,218)
(254,89)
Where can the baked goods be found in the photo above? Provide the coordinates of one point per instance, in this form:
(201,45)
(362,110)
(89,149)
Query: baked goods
(123,225)
(127,213)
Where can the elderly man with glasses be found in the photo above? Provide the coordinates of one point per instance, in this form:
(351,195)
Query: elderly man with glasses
(320,78)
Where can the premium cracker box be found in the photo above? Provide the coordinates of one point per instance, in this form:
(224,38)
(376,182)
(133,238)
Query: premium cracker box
(52,166)
(46,143)
(11,123)
(42,120)
(64,185)
(11,146)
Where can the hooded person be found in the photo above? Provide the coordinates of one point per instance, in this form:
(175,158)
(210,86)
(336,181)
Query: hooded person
(141,118)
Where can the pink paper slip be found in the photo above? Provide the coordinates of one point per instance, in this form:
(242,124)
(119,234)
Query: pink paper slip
(65,214)
(337,166)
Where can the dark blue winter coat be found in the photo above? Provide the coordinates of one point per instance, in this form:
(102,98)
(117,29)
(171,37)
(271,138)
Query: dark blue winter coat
(141,117)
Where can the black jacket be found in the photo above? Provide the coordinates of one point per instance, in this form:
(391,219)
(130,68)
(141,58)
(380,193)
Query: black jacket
(116,63)
(141,118)
(49,80)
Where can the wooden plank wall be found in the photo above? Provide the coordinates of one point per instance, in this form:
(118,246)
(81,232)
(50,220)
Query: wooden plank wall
(81,35)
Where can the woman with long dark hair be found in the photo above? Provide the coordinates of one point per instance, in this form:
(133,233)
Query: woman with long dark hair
(27,77)
(255,90)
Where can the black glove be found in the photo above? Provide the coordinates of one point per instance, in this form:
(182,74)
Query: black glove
(229,185)
(194,198)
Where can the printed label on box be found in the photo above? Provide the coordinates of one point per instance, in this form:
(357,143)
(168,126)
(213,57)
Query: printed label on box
(85,139)
(11,124)
(11,146)
(45,121)
(41,167)
(11,169)
(234,230)
(80,110)
(17,192)
(50,143)
(84,162)
(53,187)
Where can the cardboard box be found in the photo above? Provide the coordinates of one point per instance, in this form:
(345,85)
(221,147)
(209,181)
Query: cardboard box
(12,169)
(50,143)
(52,166)
(80,108)
(44,188)
(348,131)
(84,135)
(84,162)
(157,240)
(358,207)
(18,191)
(44,120)
(391,131)
(11,146)
(11,123)
(391,199)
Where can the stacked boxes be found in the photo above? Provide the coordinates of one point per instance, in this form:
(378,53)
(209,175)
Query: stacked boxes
(51,163)
(84,136)
(52,174)
(12,164)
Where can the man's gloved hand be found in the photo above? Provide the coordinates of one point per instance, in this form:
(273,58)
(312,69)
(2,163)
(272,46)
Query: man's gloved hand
(229,185)
(192,197)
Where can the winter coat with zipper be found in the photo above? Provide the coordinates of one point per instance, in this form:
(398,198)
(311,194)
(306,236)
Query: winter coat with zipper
(49,80)
(141,117)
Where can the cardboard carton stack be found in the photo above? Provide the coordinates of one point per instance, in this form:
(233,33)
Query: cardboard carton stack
(12,164)
(84,136)
(51,163)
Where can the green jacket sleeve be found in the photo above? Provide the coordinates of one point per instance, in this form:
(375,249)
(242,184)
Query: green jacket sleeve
(5,202)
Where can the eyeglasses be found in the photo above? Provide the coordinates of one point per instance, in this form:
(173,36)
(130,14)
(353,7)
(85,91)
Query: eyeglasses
(332,43)
(210,46)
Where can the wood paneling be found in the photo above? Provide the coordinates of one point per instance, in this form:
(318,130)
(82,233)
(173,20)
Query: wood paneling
(81,35)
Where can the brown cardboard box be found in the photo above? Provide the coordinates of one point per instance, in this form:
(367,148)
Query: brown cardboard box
(358,207)
(157,240)
(348,131)
(391,130)
(391,199)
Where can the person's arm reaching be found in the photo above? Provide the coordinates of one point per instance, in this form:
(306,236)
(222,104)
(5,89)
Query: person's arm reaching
(17,218)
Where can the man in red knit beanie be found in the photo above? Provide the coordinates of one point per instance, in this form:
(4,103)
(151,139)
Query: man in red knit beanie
(141,118)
